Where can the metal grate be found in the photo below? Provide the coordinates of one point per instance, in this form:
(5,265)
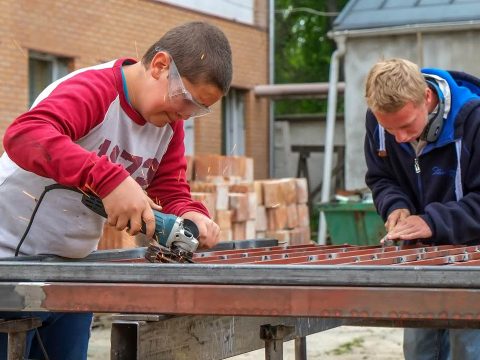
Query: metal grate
(417,255)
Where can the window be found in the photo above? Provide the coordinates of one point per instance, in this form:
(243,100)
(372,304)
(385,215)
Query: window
(234,123)
(43,69)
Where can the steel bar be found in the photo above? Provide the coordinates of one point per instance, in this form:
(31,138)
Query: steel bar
(274,336)
(310,275)
(247,300)
(301,348)
(416,255)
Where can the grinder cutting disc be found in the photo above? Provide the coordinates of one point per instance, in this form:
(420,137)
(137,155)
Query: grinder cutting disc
(157,253)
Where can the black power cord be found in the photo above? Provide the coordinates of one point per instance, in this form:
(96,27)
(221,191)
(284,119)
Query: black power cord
(40,342)
(47,189)
(17,250)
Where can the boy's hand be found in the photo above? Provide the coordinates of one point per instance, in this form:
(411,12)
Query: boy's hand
(395,217)
(413,227)
(208,229)
(127,205)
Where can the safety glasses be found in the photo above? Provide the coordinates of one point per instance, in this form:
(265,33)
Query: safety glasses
(180,97)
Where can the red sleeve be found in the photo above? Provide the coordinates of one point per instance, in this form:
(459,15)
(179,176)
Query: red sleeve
(42,139)
(169,187)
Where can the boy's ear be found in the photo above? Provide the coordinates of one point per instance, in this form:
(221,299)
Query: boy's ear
(159,63)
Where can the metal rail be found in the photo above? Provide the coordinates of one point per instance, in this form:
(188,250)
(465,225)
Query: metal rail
(349,283)
(320,301)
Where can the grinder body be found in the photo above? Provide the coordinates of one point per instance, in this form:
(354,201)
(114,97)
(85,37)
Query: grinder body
(171,231)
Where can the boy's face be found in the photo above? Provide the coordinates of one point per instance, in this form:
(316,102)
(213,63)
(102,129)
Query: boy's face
(171,97)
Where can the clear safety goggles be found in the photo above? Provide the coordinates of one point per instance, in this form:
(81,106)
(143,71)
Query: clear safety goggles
(183,101)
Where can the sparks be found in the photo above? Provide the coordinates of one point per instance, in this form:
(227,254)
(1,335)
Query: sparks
(26,193)
(83,192)
(89,188)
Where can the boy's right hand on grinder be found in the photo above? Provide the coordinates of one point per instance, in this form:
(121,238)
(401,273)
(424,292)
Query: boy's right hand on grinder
(127,205)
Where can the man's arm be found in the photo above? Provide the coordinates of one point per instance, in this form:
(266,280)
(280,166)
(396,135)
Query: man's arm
(458,222)
(453,222)
(387,193)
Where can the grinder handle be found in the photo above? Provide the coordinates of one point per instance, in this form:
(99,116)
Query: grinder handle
(95,204)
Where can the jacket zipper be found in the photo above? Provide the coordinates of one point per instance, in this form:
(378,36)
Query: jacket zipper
(417,166)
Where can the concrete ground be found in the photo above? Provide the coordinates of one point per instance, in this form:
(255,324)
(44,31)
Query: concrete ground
(343,343)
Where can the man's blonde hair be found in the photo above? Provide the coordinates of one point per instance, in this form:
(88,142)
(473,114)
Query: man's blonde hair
(393,83)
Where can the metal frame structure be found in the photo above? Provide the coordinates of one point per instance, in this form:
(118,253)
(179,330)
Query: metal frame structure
(389,286)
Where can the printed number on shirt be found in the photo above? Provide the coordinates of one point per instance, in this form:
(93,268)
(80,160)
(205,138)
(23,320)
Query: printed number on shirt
(135,165)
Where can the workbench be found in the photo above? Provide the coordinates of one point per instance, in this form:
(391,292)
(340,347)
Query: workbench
(234,301)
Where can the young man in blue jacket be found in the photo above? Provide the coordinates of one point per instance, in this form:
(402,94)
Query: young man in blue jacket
(423,161)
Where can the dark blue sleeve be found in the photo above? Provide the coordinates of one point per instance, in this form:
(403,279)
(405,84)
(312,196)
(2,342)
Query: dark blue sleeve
(458,222)
(387,193)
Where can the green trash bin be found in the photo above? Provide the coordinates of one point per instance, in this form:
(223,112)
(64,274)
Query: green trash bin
(353,223)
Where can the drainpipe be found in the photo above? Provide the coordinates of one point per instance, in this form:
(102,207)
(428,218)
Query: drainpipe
(271,80)
(330,132)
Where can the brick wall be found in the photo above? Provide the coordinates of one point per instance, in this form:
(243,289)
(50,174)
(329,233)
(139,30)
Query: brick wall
(94,31)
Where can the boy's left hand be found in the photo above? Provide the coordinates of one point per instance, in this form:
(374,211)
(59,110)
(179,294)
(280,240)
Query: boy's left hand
(411,228)
(208,229)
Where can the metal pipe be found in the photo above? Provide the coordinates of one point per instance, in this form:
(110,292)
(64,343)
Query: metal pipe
(271,80)
(285,90)
(301,348)
(330,132)
(420,49)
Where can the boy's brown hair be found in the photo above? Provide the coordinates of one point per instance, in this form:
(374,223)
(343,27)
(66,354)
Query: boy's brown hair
(392,83)
(201,52)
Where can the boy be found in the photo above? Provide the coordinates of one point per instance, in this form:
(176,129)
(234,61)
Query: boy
(421,151)
(115,130)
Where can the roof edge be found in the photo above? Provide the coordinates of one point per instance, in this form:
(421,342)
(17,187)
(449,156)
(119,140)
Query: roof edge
(407,29)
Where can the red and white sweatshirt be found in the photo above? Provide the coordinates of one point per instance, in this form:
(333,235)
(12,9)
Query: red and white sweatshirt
(82,132)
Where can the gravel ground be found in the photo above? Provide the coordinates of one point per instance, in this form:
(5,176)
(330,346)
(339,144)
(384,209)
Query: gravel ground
(343,343)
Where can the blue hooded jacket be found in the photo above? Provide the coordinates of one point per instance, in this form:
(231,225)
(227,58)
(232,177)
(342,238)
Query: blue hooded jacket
(442,184)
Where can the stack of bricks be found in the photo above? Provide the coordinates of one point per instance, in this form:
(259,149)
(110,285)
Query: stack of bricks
(286,210)
(224,184)
(242,207)
(248,209)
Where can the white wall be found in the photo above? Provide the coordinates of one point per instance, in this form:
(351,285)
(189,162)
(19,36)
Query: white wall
(238,10)
(454,50)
